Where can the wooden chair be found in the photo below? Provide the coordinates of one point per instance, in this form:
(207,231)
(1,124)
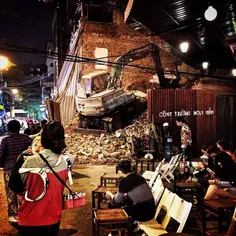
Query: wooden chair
(99,196)
(232,224)
(106,221)
(171,162)
(110,180)
(151,175)
(144,163)
(157,182)
(179,211)
(157,190)
(165,204)
(168,173)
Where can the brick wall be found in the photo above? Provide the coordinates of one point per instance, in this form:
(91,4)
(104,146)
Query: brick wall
(216,85)
(119,38)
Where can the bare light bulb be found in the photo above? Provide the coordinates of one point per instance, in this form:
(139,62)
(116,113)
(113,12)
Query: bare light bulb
(205,65)
(210,14)
(184,47)
(234,72)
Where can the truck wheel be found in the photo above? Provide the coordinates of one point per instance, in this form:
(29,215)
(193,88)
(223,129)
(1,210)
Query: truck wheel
(118,122)
(106,126)
(84,123)
(110,125)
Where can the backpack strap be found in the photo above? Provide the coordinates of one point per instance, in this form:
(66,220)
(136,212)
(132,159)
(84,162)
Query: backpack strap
(55,173)
(43,174)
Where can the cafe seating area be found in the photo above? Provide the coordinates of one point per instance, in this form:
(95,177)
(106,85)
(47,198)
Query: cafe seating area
(175,201)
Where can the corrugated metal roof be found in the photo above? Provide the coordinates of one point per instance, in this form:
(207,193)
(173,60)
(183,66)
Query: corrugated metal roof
(183,20)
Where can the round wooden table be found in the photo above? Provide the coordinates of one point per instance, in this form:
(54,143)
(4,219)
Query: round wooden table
(176,234)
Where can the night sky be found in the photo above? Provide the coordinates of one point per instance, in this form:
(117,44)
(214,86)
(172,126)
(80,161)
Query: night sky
(26,23)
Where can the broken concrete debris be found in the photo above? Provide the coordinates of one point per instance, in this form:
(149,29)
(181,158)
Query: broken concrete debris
(108,148)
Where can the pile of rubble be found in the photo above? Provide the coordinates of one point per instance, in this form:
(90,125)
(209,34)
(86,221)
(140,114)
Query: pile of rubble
(108,147)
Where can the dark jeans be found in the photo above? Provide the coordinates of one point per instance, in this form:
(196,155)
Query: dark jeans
(46,230)
(188,152)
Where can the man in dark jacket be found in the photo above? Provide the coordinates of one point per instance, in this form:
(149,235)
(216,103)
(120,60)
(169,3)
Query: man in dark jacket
(11,147)
(131,194)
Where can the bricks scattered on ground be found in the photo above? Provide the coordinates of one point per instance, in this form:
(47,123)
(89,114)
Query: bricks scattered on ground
(108,147)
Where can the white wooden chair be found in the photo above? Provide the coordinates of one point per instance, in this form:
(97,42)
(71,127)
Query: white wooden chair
(156,173)
(165,204)
(156,183)
(151,175)
(157,190)
(168,173)
(179,211)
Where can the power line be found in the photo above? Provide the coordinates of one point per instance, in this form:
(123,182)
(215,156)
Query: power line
(70,58)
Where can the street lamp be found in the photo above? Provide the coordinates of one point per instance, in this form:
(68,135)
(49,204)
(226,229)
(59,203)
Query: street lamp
(14,91)
(4,63)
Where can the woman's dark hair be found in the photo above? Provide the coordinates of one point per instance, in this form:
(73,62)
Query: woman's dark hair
(125,167)
(204,146)
(223,143)
(53,137)
(13,126)
(212,149)
(42,123)
(180,119)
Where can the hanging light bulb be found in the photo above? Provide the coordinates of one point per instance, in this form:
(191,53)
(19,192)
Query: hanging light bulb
(184,47)
(210,14)
(205,65)
(234,72)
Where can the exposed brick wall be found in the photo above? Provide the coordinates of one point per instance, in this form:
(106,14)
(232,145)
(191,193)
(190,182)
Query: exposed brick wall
(119,38)
(216,85)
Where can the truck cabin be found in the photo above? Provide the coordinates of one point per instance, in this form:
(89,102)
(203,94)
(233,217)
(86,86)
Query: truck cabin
(95,82)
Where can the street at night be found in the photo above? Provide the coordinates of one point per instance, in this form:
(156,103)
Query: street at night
(117,117)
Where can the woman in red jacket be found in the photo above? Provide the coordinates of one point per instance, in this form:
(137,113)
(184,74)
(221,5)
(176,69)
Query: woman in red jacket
(40,211)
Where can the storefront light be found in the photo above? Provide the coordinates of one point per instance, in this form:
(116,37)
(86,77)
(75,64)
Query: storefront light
(205,65)
(184,47)
(234,72)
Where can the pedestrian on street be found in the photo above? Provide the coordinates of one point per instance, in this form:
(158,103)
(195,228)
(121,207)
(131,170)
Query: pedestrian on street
(41,208)
(11,147)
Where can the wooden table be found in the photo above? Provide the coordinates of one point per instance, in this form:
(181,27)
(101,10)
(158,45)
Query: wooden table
(99,194)
(219,208)
(177,234)
(109,220)
(110,179)
(182,188)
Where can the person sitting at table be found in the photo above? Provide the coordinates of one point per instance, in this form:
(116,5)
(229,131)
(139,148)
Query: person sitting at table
(223,147)
(134,194)
(224,185)
(221,189)
(203,173)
